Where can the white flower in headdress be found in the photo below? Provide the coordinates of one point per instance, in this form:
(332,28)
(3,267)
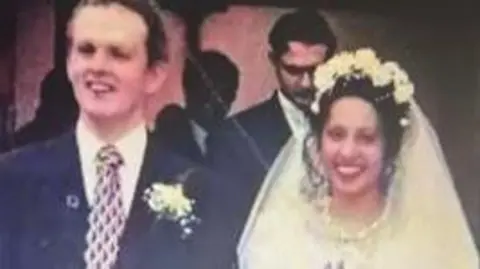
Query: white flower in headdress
(403,93)
(342,64)
(366,61)
(324,78)
(362,63)
(381,77)
(395,71)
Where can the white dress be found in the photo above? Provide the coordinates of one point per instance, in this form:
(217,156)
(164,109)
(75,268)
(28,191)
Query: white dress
(423,225)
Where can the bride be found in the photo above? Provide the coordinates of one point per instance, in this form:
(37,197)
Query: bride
(369,188)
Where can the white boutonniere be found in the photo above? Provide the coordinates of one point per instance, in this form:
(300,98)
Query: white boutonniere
(169,201)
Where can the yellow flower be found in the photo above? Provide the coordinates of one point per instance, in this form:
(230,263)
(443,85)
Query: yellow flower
(170,198)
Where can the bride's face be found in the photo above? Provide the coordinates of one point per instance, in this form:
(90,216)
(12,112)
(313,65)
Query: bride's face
(352,147)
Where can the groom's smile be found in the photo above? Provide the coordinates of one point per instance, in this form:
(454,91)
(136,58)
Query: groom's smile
(99,88)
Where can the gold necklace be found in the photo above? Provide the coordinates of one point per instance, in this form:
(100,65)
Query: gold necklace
(346,237)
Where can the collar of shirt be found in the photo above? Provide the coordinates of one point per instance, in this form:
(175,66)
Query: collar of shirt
(132,148)
(200,135)
(296,119)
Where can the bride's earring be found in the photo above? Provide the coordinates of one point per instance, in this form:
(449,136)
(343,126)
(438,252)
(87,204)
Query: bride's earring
(388,175)
(320,177)
(322,185)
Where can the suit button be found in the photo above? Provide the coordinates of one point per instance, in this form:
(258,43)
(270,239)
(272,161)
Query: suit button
(44,243)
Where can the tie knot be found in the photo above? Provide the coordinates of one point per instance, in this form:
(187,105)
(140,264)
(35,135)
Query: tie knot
(109,156)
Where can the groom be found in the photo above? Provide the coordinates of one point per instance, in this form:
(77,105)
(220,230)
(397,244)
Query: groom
(78,201)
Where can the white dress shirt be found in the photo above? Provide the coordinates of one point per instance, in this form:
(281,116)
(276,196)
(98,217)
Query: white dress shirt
(132,148)
(296,119)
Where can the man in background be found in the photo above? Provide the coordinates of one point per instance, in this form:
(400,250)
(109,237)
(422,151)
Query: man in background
(210,83)
(247,144)
(56,114)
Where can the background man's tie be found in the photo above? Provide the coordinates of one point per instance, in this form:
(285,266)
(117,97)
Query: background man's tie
(107,217)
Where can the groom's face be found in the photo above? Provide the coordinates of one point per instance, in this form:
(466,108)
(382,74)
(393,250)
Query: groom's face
(108,62)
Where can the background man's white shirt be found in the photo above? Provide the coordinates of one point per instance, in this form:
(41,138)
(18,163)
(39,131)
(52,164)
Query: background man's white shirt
(296,119)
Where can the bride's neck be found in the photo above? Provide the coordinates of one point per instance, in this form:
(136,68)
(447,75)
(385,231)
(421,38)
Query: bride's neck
(362,209)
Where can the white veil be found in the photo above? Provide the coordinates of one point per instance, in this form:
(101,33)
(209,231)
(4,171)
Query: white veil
(433,233)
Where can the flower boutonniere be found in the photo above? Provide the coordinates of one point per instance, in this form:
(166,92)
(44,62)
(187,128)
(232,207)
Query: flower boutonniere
(169,201)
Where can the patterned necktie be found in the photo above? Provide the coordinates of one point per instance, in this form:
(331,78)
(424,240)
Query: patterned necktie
(107,217)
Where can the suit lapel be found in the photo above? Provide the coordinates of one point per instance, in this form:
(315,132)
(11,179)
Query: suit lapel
(279,123)
(63,222)
(146,237)
(272,134)
(139,219)
(270,142)
(77,208)
(56,223)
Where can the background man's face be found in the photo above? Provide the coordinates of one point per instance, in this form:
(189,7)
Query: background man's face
(295,68)
(107,62)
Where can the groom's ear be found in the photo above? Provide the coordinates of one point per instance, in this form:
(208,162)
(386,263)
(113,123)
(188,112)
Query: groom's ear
(156,76)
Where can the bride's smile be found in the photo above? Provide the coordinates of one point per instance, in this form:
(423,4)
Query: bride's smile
(352,147)
(348,171)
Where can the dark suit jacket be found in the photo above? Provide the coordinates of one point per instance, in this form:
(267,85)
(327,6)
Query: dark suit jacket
(173,128)
(40,229)
(245,147)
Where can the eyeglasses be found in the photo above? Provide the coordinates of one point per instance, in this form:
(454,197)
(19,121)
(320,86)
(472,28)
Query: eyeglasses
(297,70)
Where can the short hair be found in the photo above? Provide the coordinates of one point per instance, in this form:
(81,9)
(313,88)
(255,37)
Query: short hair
(302,25)
(156,37)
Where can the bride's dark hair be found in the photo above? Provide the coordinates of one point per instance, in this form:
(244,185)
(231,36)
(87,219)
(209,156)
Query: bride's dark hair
(389,114)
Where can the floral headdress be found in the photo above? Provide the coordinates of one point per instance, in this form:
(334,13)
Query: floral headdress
(363,63)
